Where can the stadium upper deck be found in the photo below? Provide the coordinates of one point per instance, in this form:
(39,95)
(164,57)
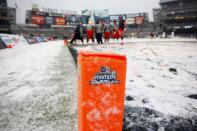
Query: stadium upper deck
(179,16)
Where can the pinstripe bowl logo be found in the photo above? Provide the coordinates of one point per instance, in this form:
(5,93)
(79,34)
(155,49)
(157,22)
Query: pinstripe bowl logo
(105,76)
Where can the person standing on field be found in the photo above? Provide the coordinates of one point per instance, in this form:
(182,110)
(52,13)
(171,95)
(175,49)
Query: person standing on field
(121,28)
(98,32)
(107,32)
(78,33)
(90,34)
(114,31)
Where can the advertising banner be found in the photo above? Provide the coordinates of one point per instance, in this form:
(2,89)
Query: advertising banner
(60,21)
(38,19)
(130,21)
(40,39)
(72,19)
(114,17)
(49,20)
(139,20)
(13,40)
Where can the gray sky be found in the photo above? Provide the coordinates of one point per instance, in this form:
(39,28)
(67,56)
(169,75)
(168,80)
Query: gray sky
(114,6)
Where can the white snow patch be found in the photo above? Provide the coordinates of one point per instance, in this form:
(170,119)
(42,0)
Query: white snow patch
(112,111)
(20,93)
(106,99)
(94,115)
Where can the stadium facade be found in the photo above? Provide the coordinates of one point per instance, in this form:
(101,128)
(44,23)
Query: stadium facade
(156,14)
(22,6)
(179,16)
(22,17)
(29,19)
(7,17)
(48,20)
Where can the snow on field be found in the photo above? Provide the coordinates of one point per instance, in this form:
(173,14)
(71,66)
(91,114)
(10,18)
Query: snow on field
(38,88)
(160,77)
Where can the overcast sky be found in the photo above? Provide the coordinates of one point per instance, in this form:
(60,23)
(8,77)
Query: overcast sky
(114,6)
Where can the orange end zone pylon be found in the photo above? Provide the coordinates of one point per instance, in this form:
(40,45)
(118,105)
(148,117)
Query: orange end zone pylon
(65,42)
(101,90)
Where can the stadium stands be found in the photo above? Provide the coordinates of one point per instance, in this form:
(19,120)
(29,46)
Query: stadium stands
(179,16)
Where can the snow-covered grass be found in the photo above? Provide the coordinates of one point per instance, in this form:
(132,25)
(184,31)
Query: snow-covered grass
(148,75)
(150,83)
(38,88)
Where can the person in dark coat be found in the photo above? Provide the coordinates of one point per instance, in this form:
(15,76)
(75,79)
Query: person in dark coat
(121,28)
(78,33)
(121,25)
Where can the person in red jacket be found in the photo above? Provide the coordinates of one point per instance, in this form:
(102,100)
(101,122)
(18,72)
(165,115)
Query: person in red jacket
(114,30)
(106,32)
